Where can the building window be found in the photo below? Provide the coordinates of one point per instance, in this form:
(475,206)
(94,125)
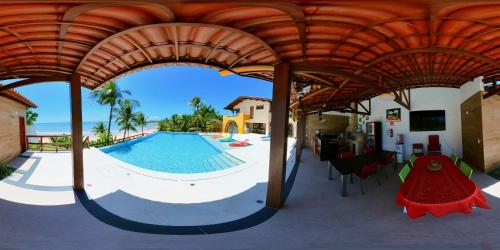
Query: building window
(258,128)
(236,111)
(251,112)
(259,107)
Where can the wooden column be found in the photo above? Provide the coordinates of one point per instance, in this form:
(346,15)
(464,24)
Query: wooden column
(279,132)
(76,131)
(301,127)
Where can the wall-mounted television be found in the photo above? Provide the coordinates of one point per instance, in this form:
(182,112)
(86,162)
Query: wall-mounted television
(427,120)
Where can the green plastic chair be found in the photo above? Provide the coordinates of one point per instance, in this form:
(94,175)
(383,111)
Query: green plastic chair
(466,170)
(413,159)
(404,172)
(454,158)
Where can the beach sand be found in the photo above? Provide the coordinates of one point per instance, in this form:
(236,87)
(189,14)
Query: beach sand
(117,135)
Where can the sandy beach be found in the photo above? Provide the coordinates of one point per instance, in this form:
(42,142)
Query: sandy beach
(93,137)
(119,135)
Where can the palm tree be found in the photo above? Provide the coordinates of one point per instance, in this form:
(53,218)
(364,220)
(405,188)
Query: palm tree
(99,128)
(110,95)
(195,103)
(165,125)
(176,121)
(185,123)
(140,120)
(31,116)
(125,115)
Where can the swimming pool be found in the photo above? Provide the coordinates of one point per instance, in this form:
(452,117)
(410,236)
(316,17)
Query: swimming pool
(179,153)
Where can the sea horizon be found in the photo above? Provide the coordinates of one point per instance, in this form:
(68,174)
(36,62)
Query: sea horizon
(64,128)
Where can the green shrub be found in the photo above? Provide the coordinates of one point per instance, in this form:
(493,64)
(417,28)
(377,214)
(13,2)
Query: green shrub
(65,139)
(5,171)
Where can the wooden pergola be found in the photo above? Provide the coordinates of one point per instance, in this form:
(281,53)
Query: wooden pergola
(347,51)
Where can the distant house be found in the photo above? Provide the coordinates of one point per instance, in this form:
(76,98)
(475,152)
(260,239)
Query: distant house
(250,115)
(13,124)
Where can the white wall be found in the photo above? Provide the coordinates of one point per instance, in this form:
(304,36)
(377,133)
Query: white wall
(471,88)
(436,98)
(259,115)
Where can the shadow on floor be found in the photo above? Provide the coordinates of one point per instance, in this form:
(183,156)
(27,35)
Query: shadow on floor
(114,220)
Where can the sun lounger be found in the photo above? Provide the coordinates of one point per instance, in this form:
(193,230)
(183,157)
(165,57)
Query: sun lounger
(239,143)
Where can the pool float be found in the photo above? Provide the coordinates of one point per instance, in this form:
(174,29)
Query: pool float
(239,143)
(226,139)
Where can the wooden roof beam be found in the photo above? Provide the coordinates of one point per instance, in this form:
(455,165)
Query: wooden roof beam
(34,80)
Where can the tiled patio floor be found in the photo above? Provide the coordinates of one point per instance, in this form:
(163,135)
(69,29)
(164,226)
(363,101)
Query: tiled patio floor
(315,217)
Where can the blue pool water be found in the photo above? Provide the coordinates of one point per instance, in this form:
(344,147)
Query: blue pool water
(181,153)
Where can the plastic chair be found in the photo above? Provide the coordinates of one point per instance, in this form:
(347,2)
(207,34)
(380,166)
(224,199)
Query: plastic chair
(404,172)
(413,159)
(466,169)
(367,171)
(388,159)
(434,148)
(454,158)
(418,149)
(344,155)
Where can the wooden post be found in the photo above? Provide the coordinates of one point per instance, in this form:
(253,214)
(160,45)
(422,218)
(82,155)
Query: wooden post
(279,131)
(76,131)
(301,125)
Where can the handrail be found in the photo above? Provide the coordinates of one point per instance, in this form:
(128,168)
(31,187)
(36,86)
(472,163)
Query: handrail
(57,144)
(115,141)
(67,145)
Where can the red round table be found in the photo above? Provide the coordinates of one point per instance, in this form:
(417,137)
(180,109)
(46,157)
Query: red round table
(438,192)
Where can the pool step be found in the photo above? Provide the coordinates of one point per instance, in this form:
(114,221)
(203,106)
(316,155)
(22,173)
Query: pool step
(232,159)
(227,161)
(221,161)
(213,165)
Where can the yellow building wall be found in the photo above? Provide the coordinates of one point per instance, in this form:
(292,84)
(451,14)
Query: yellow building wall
(240,120)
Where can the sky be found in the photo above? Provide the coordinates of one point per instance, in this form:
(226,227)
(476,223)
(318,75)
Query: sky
(160,91)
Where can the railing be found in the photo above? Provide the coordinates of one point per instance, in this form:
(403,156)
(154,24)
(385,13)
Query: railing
(54,142)
(51,142)
(114,141)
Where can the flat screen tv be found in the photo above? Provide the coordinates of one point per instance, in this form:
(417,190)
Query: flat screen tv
(427,120)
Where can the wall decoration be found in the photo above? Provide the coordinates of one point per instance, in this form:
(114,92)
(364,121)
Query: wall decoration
(393,115)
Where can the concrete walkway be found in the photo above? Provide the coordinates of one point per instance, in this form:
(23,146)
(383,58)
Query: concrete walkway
(315,217)
(147,196)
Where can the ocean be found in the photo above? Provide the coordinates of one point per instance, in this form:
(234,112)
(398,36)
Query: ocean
(59,128)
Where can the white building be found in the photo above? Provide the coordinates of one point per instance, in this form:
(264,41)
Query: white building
(251,115)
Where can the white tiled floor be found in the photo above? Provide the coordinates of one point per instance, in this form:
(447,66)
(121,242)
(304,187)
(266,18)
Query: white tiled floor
(315,216)
(147,196)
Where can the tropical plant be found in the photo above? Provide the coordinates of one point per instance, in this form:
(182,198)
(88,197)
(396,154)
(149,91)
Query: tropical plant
(195,103)
(185,122)
(202,116)
(125,115)
(5,170)
(165,125)
(104,137)
(31,116)
(140,120)
(99,129)
(210,128)
(207,113)
(109,95)
(64,139)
